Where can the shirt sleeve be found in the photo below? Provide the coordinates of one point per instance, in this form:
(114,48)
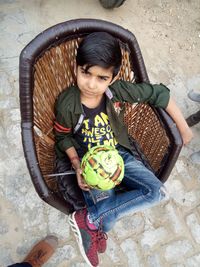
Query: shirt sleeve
(63,128)
(157,95)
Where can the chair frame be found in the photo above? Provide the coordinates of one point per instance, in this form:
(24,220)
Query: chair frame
(33,51)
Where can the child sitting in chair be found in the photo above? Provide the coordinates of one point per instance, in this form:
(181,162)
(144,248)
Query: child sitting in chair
(96,105)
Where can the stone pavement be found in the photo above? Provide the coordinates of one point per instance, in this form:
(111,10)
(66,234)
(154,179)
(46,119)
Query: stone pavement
(167,235)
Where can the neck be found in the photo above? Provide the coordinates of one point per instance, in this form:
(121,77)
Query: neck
(91,102)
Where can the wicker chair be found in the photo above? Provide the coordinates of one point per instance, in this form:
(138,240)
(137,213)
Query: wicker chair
(47,66)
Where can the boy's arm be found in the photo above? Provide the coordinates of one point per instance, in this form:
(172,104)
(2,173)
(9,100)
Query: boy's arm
(157,95)
(63,130)
(154,94)
(177,116)
(65,142)
(74,158)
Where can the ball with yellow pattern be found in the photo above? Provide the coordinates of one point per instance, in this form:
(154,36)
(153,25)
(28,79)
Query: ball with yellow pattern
(103,167)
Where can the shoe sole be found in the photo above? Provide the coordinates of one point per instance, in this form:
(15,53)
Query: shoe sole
(194,96)
(77,233)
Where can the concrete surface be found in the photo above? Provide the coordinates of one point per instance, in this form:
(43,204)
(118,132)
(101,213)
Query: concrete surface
(168,32)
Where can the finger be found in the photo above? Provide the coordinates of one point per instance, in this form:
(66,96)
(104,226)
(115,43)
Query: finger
(84,186)
(79,171)
(86,189)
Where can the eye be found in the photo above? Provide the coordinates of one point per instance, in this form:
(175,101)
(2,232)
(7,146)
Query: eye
(85,72)
(102,78)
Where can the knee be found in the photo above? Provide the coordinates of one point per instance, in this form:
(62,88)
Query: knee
(163,194)
(156,194)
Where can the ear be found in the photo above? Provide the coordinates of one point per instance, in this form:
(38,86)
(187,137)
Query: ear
(115,78)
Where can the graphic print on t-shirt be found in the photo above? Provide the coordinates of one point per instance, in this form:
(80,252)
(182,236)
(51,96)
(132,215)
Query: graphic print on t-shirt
(97,131)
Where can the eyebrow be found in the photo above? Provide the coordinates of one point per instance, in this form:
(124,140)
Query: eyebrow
(100,76)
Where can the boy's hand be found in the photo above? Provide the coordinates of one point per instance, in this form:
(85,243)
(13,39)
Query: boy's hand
(180,121)
(80,180)
(187,135)
(75,161)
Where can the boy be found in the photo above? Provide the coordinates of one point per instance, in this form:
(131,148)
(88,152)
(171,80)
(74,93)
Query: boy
(86,117)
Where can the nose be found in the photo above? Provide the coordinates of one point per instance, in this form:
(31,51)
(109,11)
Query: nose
(91,83)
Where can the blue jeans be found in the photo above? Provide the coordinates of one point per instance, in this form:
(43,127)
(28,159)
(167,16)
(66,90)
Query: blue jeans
(23,264)
(144,190)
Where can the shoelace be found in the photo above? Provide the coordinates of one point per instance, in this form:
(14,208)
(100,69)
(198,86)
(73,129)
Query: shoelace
(101,235)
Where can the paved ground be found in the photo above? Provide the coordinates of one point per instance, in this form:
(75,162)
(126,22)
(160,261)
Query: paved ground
(167,235)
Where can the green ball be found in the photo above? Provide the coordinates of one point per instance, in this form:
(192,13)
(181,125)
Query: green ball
(103,167)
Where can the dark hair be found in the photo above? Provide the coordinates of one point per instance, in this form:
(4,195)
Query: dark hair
(99,49)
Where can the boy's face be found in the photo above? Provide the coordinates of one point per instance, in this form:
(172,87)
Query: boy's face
(94,81)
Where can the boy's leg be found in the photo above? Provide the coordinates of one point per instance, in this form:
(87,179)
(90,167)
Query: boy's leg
(85,237)
(90,239)
(67,184)
(145,189)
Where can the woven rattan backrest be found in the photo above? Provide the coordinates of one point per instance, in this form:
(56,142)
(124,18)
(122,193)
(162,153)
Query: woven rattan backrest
(146,128)
(55,70)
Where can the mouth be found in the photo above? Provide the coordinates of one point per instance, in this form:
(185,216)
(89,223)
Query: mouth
(89,92)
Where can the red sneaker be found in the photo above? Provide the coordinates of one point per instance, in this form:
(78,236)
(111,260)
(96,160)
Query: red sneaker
(101,236)
(86,238)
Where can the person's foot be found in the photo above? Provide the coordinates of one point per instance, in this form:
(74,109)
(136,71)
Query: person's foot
(86,238)
(195,157)
(42,251)
(194,96)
